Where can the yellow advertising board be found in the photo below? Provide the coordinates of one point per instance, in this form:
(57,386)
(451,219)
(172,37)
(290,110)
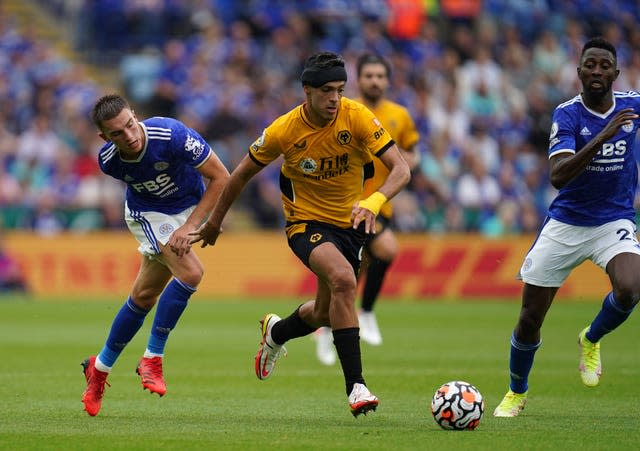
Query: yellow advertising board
(260,264)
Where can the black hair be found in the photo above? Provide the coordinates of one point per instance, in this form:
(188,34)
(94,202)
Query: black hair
(324,60)
(323,67)
(107,107)
(370,58)
(599,43)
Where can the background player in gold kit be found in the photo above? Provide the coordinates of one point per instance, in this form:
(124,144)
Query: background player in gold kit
(328,144)
(373,81)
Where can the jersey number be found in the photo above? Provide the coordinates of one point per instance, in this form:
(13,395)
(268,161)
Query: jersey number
(624,234)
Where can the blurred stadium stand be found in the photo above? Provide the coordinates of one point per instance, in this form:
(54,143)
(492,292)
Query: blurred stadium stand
(480,80)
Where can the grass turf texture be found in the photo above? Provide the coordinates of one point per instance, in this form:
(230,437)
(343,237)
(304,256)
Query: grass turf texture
(214,400)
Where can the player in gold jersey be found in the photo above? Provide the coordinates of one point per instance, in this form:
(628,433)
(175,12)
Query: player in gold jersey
(373,81)
(328,144)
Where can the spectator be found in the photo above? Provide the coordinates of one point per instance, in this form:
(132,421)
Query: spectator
(483,145)
(478,192)
(455,68)
(440,168)
(548,56)
(139,72)
(405,20)
(45,219)
(503,222)
(172,76)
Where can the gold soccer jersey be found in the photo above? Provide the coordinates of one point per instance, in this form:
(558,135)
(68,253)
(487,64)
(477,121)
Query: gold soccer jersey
(324,167)
(398,123)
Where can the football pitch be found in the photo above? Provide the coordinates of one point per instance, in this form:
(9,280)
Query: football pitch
(215,402)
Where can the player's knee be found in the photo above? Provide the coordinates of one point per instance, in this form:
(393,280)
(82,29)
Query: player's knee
(343,281)
(144,298)
(392,249)
(387,254)
(528,328)
(386,250)
(627,296)
(626,288)
(192,279)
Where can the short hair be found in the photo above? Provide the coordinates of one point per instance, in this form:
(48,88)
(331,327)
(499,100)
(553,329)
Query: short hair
(324,60)
(107,107)
(599,43)
(371,58)
(323,67)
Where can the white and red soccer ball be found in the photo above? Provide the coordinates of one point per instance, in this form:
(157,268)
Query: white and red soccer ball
(457,405)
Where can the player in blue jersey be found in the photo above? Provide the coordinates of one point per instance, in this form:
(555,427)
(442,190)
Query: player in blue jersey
(164,164)
(592,218)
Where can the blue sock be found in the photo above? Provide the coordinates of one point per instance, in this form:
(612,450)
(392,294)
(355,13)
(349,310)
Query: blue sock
(171,304)
(520,363)
(611,315)
(124,327)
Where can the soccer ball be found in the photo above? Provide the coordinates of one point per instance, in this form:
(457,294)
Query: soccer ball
(457,405)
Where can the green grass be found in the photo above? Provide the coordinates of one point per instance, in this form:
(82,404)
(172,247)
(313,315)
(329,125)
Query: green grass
(215,401)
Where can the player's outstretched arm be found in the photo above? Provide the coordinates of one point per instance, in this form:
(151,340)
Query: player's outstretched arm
(399,174)
(209,231)
(217,175)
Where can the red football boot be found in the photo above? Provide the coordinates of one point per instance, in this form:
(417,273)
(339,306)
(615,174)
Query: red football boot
(150,371)
(96,380)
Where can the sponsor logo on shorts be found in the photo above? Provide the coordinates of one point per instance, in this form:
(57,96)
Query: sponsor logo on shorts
(315,237)
(165,229)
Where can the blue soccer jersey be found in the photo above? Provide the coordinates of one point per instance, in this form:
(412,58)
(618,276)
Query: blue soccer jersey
(605,190)
(164,177)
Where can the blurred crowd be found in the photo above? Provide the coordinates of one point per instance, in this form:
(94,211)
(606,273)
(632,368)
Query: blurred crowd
(480,79)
